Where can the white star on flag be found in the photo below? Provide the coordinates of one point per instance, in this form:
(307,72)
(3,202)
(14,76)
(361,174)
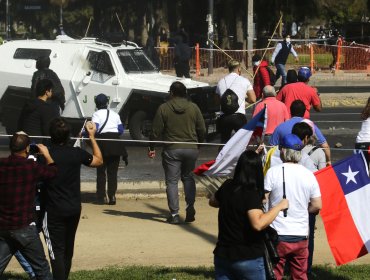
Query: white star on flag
(350,175)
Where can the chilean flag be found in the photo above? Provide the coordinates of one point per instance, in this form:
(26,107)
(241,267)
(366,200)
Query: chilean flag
(228,157)
(345,193)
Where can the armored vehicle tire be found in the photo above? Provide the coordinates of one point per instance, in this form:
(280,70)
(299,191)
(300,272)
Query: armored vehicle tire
(138,125)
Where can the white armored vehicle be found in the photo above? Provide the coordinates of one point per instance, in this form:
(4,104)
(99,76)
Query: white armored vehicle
(88,67)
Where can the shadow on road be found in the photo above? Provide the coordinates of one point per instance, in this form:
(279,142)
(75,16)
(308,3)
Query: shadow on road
(157,217)
(190,227)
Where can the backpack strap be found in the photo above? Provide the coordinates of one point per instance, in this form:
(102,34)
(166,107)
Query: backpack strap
(312,150)
(106,120)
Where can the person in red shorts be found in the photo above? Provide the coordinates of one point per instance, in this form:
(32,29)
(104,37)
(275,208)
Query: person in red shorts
(302,91)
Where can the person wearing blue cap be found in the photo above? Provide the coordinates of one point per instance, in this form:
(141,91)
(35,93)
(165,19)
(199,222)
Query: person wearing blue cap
(302,91)
(108,126)
(285,180)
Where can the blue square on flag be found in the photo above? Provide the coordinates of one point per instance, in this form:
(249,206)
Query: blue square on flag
(352,173)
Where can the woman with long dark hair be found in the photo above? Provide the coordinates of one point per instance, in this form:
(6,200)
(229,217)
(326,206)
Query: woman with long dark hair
(239,250)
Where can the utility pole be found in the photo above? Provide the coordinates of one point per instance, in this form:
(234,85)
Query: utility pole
(250,31)
(7,21)
(210,36)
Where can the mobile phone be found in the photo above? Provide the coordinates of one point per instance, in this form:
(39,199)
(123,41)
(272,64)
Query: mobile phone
(34,149)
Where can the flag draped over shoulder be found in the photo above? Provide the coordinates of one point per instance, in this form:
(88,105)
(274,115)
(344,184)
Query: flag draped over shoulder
(227,158)
(345,193)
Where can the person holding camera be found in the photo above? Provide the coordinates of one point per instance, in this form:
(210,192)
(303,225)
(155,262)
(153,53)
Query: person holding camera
(18,177)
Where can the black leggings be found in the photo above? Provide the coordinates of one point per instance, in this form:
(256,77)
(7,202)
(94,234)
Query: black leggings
(60,232)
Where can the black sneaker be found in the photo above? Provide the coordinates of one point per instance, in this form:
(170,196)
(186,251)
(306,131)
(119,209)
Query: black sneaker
(101,201)
(190,214)
(173,220)
(112,200)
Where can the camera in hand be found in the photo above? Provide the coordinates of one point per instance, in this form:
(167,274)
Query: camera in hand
(34,149)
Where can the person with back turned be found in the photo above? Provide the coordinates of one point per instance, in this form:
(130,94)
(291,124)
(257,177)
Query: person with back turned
(179,120)
(286,180)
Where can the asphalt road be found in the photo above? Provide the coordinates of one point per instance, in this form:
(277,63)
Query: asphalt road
(339,125)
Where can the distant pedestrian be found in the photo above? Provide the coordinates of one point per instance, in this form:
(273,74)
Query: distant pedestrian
(63,195)
(277,112)
(37,113)
(280,57)
(108,126)
(44,72)
(291,77)
(240,248)
(261,75)
(178,120)
(301,91)
(285,180)
(151,52)
(18,178)
(242,88)
(182,58)
(363,136)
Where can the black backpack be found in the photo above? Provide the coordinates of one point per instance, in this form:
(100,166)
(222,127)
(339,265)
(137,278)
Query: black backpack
(272,76)
(229,102)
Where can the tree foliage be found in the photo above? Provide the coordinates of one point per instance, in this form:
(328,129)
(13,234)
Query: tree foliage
(138,19)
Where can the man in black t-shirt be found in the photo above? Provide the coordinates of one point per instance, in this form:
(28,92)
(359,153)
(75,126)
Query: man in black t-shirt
(63,195)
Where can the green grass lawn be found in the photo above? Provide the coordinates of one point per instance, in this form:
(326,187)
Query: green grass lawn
(346,272)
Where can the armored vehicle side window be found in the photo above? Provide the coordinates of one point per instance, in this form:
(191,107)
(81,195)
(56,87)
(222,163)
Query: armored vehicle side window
(23,53)
(135,61)
(101,64)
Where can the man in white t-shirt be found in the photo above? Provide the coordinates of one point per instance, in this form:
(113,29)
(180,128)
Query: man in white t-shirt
(244,90)
(299,185)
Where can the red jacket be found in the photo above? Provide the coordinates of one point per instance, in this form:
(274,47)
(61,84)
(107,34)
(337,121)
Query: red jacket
(261,79)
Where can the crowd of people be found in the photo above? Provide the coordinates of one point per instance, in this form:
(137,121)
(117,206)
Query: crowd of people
(266,188)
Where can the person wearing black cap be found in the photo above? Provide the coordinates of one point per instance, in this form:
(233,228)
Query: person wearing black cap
(285,180)
(43,72)
(108,126)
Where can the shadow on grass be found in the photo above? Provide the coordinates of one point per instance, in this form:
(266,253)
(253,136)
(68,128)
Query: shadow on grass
(326,273)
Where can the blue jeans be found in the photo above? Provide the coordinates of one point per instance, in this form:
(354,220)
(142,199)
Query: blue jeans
(27,241)
(179,164)
(24,264)
(253,269)
(280,71)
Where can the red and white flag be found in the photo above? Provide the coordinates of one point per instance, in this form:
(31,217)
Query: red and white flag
(227,158)
(345,193)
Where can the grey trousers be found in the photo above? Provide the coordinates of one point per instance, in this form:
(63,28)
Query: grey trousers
(179,164)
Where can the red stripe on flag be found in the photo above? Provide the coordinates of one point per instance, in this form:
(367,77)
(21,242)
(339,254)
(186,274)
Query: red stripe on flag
(344,240)
(203,167)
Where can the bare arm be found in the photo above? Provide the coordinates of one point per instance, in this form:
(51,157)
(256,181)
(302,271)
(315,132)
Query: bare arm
(318,108)
(315,205)
(260,220)
(326,148)
(97,156)
(251,96)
